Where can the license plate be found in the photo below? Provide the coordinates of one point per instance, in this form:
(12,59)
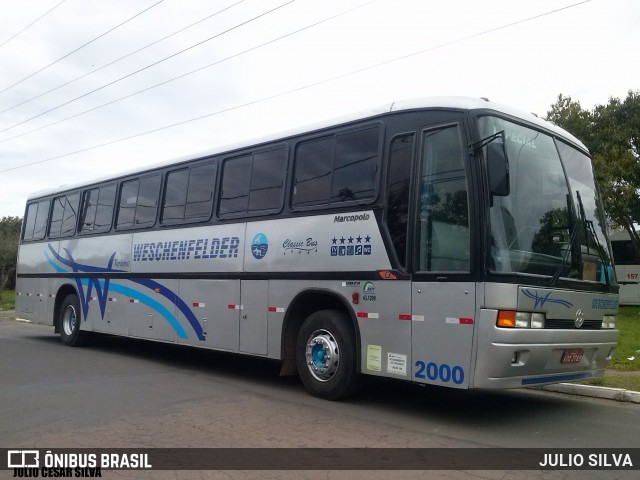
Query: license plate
(572,356)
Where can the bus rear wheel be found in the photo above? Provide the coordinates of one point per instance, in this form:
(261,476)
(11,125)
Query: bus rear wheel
(326,355)
(69,318)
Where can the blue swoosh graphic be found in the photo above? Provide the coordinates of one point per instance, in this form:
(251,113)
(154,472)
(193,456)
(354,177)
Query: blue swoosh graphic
(103,286)
(540,301)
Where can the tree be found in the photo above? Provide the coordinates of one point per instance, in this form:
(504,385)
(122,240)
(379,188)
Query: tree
(9,238)
(612,134)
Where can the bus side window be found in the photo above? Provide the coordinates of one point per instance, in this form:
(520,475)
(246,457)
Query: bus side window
(336,168)
(236,178)
(88,212)
(104,208)
(97,209)
(128,201)
(398,185)
(35,221)
(443,218)
(267,180)
(147,204)
(138,202)
(355,165)
(175,197)
(253,183)
(202,181)
(30,221)
(70,216)
(56,216)
(63,216)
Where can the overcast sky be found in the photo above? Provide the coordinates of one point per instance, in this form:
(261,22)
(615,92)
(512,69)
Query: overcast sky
(251,82)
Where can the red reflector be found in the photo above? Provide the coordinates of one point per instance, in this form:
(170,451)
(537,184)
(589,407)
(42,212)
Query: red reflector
(362,314)
(403,316)
(231,306)
(466,321)
(272,309)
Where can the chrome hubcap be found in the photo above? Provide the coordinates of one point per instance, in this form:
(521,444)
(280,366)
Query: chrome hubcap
(322,355)
(69,320)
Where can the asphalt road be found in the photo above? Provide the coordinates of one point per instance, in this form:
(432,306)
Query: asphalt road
(129,393)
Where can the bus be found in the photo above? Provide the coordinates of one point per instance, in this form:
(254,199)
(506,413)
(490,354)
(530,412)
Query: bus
(627,260)
(444,241)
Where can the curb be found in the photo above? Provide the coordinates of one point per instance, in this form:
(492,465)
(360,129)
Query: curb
(619,394)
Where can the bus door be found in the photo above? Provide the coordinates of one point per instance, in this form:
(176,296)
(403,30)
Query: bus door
(443,293)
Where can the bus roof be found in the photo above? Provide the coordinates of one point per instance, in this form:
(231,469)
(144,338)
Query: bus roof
(451,102)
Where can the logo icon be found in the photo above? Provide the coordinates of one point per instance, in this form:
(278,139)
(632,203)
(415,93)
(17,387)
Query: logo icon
(369,291)
(579,318)
(23,459)
(259,246)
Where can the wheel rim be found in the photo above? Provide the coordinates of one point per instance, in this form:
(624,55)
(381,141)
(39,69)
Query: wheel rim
(69,320)
(322,355)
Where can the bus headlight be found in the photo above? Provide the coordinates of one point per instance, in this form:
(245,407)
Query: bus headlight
(523,320)
(537,320)
(512,319)
(609,321)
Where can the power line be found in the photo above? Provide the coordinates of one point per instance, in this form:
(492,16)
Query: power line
(32,23)
(122,58)
(80,47)
(294,90)
(146,67)
(42,127)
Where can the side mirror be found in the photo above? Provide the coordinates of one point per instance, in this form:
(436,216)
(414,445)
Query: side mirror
(498,169)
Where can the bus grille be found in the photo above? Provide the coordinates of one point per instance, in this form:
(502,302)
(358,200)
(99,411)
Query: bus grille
(569,324)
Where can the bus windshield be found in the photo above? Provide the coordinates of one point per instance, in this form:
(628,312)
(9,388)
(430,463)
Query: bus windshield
(552,222)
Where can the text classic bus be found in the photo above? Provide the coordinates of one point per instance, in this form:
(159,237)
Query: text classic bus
(444,241)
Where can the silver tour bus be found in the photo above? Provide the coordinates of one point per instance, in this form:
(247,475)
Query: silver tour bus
(444,241)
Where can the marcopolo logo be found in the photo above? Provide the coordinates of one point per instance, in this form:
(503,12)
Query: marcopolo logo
(259,246)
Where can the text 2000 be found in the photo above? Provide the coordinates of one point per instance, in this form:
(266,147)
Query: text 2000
(443,372)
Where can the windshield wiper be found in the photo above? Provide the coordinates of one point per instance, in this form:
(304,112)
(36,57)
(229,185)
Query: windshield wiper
(571,245)
(589,228)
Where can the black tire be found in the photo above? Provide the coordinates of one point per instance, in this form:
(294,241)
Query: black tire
(326,355)
(69,319)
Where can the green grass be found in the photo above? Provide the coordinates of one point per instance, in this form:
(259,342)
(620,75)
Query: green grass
(628,382)
(626,373)
(7,300)
(628,323)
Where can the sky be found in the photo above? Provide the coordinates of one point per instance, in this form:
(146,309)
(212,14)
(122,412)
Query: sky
(92,88)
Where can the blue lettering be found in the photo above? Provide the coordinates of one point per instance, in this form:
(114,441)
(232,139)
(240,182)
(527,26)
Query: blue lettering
(233,247)
(182,250)
(158,255)
(198,249)
(137,251)
(458,375)
(432,371)
(214,251)
(223,247)
(191,248)
(443,372)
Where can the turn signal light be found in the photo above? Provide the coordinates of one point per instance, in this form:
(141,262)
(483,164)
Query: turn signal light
(506,318)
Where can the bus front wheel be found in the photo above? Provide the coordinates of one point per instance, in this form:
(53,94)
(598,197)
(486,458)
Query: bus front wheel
(69,318)
(326,355)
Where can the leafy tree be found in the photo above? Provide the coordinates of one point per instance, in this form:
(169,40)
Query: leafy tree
(612,134)
(9,237)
